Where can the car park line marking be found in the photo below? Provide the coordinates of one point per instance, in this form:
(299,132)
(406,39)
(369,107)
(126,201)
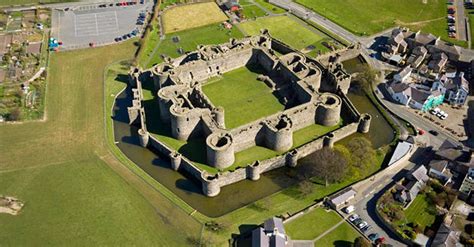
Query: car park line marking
(96,25)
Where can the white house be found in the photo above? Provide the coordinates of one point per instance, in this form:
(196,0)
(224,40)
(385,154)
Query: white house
(403,74)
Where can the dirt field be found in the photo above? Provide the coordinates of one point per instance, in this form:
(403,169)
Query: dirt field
(190,16)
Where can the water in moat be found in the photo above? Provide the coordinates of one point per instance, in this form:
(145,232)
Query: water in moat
(232,196)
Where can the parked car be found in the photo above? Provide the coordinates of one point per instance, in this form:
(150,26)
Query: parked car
(373,236)
(433,132)
(444,116)
(353,217)
(362,224)
(435,111)
(380,240)
(421,132)
(366,228)
(348,209)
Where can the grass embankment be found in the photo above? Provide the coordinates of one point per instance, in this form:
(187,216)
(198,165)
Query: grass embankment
(188,41)
(367,17)
(75,191)
(189,16)
(288,30)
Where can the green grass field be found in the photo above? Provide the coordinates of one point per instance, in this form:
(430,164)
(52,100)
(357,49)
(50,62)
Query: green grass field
(312,224)
(284,28)
(189,16)
(252,11)
(366,17)
(243,97)
(270,7)
(421,211)
(189,40)
(75,191)
(31,2)
(343,236)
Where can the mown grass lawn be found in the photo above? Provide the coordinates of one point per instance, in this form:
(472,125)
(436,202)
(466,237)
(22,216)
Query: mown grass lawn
(252,11)
(28,2)
(343,236)
(189,16)
(312,224)
(188,41)
(367,17)
(421,212)
(270,7)
(284,28)
(75,191)
(243,97)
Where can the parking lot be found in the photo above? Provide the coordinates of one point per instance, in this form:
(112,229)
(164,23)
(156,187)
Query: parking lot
(80,26)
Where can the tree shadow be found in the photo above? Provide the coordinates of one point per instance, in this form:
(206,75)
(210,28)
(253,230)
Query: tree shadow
(342,243)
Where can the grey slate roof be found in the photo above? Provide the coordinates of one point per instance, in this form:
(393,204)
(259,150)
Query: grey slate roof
(445,237)
(438,165)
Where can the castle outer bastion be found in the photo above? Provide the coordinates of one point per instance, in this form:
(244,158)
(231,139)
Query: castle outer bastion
(311,94)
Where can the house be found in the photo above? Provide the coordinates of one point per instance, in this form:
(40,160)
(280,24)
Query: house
(411,185)
(396,42)
(421,39)
(417,98)
(273,234)
(403,75)
(438,62)
(341,198)
(439,169)
(417,56)
(231,4)
(453,52)
(400,92)
(467,186)
(446,237)
(450,151)
(457,89)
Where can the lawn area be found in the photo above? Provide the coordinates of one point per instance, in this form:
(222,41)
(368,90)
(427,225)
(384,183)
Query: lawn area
(270,7)
(343,236)
(296,34)
(189,16)
(243,97)
(421,211)
(30,2)
(75,191)
(312,224)
(189,40)
(366,17)
(252,11)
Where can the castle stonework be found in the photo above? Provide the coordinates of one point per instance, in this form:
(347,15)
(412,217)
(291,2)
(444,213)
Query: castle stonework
(310,92)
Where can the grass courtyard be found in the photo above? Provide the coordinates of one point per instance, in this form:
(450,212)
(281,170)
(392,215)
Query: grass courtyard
(421,211)
(243,97)
(189,16)
(312,224)
(289,30)
(75,190)
(367,17)
(343,236)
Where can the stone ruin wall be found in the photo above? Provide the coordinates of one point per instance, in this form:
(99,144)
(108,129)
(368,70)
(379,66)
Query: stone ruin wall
(274,132)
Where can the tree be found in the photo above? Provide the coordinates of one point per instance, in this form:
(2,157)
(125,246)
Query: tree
(365,79)
(361,242)
(15,114)
(326,164)
(362,152)
(305,187)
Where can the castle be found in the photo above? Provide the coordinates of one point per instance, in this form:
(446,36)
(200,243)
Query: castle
(310,92)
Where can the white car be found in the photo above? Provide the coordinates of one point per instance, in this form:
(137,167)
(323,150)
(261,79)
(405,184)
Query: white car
(362,224)
(435,111)
(353,217)
(444,116)
(348,209)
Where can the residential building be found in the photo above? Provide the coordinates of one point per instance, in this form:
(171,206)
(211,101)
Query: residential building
(403,75)
(467,186)
(273,234)
(417,98)
(438,62)
(420,39)
(396,42)
(417,56)
(411,185)
(439,169)
(453,52)
(457,90)
(446,237)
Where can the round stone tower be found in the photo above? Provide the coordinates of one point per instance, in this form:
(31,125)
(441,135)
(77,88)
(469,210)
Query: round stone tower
(279,134)
(175,159)
(143,137)
(220,150)
(254,171)
(292,158)
(210,185)
(164,103)
(184,121)
(219,116)
(364,123)
(328,140)
(328,112)
(161,74)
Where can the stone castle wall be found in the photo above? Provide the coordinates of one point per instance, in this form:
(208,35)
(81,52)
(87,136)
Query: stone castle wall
(191,114)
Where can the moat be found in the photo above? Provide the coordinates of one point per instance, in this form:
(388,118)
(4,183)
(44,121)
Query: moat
(236,195)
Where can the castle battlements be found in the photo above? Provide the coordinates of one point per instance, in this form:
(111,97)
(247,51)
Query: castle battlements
(297,82)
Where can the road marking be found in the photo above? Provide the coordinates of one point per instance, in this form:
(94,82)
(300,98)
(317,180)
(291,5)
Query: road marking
(96,25)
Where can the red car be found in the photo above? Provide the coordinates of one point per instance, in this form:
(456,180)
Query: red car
(421,132)
(380,240)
